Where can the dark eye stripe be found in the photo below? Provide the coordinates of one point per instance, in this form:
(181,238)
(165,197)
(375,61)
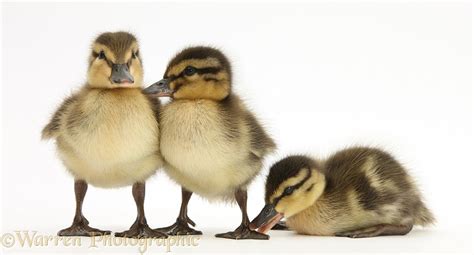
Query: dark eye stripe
(212,70)
(171,78)
(96,54)
(299,184)
(204,70)
(109,63)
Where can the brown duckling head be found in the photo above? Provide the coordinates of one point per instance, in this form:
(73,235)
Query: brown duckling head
(115,62)
(293,184)
(195,73)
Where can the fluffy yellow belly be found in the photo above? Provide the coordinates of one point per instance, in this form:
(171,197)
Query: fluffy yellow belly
(111,174)
(210,169)
(118,145)
(198,155)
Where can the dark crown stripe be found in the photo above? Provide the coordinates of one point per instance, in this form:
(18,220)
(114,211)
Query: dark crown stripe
(201,52)
(117,42)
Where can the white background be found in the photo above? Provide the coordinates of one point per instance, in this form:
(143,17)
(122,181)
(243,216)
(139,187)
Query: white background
(320,76)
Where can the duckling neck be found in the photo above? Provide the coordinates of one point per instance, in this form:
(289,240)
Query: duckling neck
(317,189)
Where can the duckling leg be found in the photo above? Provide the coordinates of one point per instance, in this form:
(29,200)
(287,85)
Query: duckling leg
(243,231)
(140,228)
(378,230)
(281,225)
(181,227)
(80,225)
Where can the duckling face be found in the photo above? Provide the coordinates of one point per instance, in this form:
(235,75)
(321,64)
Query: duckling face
(115,62)
(292,185)
(195,73)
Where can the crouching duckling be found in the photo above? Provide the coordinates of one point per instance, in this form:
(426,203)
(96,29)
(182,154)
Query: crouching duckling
(357,192)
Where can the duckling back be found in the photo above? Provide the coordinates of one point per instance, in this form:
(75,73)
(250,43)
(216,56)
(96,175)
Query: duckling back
(371,180)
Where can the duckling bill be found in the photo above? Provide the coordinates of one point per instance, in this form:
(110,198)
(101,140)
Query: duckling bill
(357,192)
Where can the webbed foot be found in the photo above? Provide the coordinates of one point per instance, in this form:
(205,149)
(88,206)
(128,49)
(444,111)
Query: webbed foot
(377,230)
(80,227)
(243,232)
(180,227)
(281,225)
(141,230)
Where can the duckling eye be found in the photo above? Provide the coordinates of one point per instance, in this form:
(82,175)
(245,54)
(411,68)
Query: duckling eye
(288,191)
(189,70)
(101,55)
(134,54)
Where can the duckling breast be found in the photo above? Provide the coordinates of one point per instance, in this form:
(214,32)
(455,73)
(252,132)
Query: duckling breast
(111,139)
(204,154)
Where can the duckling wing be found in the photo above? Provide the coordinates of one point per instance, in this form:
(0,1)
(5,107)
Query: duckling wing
(260,142)
(241,122)
(51,130)
(155,105)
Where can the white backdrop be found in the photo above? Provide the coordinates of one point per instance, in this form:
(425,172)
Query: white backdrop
(321,77)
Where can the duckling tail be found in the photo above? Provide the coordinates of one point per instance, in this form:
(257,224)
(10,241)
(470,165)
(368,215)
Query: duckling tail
(47,133)
(424,216)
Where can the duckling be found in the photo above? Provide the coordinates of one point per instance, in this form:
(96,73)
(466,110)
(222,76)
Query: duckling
(107,132)
(211,143)
(357,192)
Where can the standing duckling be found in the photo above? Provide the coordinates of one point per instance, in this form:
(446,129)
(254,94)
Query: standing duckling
(357,192)
(107,133)
(212,144)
